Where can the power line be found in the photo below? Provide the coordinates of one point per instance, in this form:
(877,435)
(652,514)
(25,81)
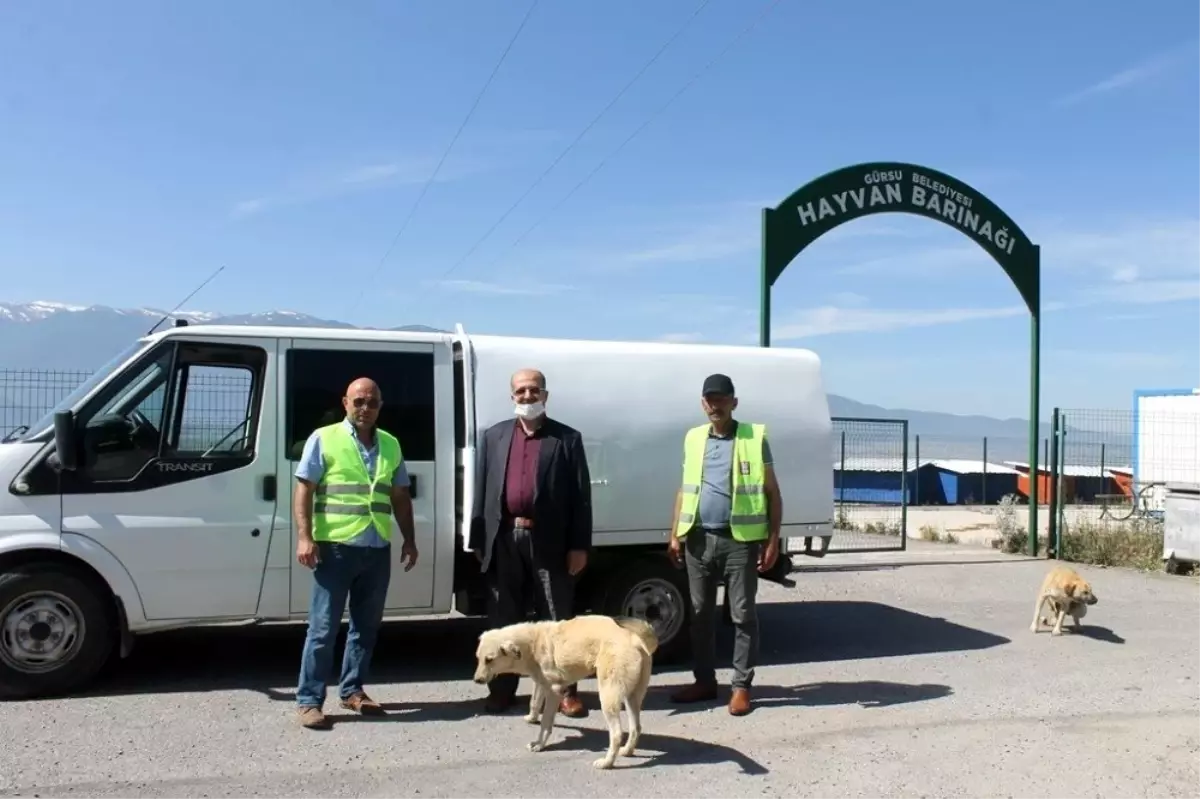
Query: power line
(643,126)
(429,182)
(578,137)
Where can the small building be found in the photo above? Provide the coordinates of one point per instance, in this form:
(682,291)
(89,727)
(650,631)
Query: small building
(953,481)
(1079,484)
(873,481)
(878,481)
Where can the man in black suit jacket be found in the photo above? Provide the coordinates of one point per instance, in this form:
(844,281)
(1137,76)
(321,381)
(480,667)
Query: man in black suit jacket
(531,524)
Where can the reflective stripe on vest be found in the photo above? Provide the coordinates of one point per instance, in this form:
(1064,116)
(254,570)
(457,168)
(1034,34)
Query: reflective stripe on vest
(748,514)
(348,500)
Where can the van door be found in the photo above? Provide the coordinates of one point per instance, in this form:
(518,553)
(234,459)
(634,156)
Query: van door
(316,374)
(174,453)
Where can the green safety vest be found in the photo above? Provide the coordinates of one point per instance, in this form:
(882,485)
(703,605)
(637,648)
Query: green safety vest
(748,515)
(348,499)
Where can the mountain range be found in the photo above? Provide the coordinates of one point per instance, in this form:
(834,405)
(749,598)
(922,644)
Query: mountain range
(57,337)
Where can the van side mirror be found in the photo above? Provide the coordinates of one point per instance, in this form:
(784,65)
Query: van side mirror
(66,445)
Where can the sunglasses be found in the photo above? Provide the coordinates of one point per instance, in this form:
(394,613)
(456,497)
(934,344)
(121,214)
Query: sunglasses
(365,402)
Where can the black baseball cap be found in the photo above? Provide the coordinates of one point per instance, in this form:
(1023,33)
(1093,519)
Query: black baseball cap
(718,384)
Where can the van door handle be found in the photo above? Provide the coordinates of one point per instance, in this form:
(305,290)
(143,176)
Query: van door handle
(601,482)
(268,487)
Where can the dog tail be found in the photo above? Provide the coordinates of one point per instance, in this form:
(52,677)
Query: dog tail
(642,630)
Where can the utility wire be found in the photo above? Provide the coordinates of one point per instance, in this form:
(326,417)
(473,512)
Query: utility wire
(640,128)
(413,210)
(578,137)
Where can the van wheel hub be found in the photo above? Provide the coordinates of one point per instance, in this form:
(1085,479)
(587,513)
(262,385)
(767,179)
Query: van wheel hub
(659,603)
(39,631)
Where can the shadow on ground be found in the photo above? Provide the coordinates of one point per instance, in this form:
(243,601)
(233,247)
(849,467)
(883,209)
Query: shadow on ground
(267,658)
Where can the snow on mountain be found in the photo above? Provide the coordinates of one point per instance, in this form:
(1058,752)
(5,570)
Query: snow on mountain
(61,336)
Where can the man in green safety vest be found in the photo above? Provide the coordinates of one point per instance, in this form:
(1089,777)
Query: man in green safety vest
(350,481)
(725,528)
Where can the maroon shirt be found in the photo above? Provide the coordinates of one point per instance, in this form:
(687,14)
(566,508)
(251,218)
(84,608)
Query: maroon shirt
(521,474)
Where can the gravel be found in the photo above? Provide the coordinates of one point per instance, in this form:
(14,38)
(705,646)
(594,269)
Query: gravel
(900,674)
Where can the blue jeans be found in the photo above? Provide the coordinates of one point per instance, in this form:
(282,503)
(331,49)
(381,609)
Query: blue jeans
(360,574)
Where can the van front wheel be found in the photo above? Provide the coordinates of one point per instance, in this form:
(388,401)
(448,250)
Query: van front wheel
(55,632)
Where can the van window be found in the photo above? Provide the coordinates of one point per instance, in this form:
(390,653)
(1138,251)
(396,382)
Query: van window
(317,380)
(184,400)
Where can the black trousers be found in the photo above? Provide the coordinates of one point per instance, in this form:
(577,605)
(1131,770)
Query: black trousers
(516,577)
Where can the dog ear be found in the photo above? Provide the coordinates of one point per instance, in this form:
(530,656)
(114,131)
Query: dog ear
(1069,589)
(510,649)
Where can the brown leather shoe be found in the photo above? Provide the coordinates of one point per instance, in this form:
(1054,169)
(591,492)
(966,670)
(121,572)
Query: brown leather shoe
(739,702)
(362,704)
(311,718)
(696,692)
(572,706)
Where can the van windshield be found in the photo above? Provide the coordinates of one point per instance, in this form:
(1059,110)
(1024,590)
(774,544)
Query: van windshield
(83,389)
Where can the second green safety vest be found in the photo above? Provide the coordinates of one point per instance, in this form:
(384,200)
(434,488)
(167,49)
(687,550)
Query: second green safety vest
(748,515)
(348,499)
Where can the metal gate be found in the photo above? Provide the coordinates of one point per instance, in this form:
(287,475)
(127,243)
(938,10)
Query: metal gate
(871,485)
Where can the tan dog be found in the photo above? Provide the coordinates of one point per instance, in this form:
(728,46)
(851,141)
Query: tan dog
(1067,594)
(555,654)
(638,627)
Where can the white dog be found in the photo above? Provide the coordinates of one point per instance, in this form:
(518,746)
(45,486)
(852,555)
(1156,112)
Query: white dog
(555,654)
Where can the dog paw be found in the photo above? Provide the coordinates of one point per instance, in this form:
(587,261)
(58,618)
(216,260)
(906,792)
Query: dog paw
(532,719)
(626,751)
(535,746)
(602,763)
(1056,632)
(1033,628)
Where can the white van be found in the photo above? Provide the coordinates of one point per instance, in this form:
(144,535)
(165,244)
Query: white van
(158,494)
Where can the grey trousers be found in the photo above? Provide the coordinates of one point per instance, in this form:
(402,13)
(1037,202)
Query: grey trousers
(711,558)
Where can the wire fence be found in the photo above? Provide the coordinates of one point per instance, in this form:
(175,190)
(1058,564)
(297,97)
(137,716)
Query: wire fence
(28,394)
(1114,466)
(871,484)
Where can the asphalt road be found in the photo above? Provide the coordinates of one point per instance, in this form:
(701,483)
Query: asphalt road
(882,675)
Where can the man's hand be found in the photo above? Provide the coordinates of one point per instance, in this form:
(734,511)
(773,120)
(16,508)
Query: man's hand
(306,552)
(675,551)
(768,554)
(408,554)
(576,561)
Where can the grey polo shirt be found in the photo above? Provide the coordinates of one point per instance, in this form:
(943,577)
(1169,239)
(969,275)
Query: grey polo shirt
(716,482)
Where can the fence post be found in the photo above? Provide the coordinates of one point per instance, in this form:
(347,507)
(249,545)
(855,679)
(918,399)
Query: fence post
(1052,470)
(904,494)
(917,473)
(983,487)
(1061,510)
(842,474)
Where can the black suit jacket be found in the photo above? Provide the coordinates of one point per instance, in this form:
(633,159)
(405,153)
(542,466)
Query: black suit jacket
(562,497)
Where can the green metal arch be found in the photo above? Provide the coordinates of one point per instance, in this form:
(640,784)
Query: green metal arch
(876,187)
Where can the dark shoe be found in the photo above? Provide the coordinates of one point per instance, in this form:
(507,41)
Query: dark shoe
(696,692)
(311,718)
(572,706)
(362,704)
(497,703)
(739,703)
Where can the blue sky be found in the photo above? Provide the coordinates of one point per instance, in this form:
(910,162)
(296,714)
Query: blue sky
(144,144)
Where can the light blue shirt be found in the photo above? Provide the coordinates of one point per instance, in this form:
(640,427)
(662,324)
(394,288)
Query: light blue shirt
(312,468)
(716,484)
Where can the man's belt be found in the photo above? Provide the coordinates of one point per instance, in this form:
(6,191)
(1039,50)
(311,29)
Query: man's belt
(522,523)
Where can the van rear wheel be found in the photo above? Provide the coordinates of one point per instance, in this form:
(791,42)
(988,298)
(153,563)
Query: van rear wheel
(653,590)
(55,632)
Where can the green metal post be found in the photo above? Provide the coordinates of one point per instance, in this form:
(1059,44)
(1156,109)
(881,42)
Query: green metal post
(1052,549)
(764,294)
(917,465)
(904,494)
(983,486)
(1035,385)
(842,474)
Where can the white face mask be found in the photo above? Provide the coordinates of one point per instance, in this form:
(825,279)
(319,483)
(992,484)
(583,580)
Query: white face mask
(530,411)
